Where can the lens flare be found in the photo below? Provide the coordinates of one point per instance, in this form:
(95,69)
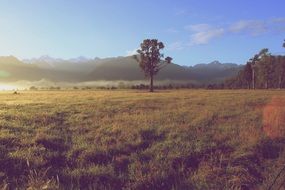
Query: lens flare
(274,118)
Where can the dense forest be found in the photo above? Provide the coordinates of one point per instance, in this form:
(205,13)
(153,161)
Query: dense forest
(263,71)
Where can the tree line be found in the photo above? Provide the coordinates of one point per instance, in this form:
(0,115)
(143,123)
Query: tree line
(262,71)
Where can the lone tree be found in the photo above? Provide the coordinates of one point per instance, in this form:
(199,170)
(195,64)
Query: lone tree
(151,60)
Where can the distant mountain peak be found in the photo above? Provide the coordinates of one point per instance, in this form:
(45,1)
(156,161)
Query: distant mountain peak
(42,59)
(216,62)
(216,65)
(50,60)
(79,59)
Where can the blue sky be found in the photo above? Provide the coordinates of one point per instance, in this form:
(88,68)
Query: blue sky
(193,31)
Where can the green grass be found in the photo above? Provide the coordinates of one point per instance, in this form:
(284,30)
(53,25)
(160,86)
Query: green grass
(184,139)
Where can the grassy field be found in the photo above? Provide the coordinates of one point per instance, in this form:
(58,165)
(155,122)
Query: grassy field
(184,139)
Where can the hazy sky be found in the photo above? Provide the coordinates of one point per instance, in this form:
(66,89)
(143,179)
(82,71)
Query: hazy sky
(194,31)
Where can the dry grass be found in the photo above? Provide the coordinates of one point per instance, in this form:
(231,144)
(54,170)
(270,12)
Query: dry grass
(184,139)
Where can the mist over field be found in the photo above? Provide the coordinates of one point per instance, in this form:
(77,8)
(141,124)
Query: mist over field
(121,84)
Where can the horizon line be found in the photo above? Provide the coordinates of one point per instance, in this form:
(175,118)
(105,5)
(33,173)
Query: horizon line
(102,58)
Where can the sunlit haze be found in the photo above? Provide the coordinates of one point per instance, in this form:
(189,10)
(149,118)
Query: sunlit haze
(4,87)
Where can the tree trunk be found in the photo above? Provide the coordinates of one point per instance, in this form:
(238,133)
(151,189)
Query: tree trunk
(266,84)
(151,83)
(280,82)
(253,79)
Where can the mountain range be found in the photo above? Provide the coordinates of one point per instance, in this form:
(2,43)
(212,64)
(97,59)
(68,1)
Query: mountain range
(82,69)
